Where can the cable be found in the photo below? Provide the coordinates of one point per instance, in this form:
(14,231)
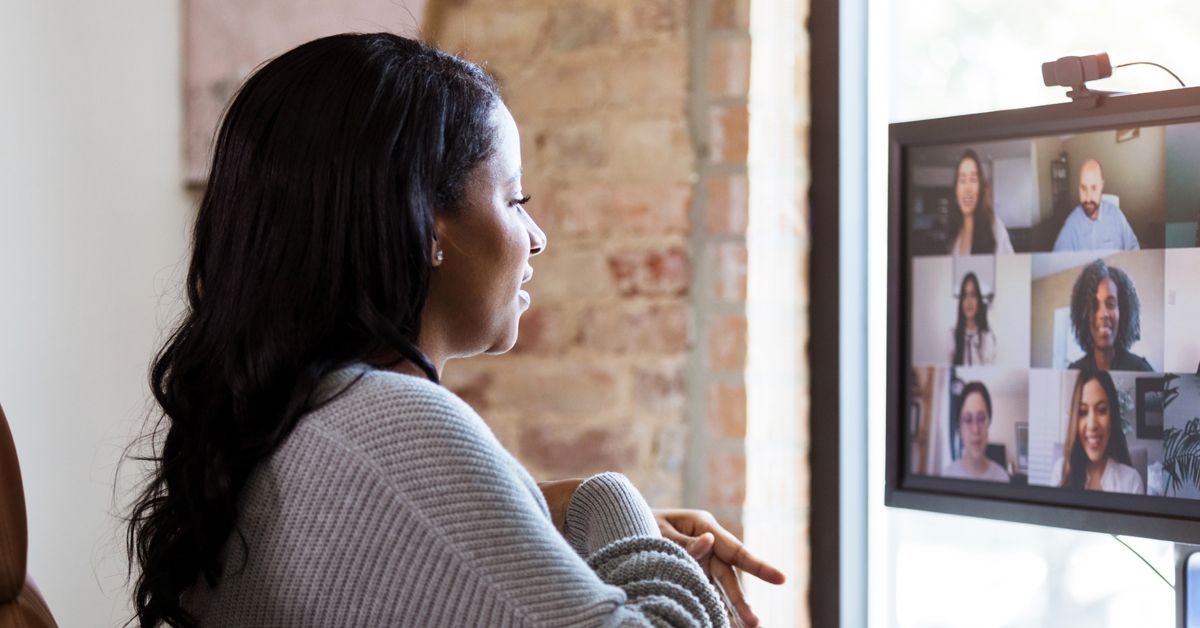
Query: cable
(1135,553)
(1162,67)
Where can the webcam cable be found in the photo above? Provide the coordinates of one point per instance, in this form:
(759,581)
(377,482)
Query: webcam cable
(1152,568)
(1161,67)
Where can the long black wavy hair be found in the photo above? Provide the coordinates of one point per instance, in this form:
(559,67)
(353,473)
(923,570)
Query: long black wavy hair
(311,249)
(981,320)
(1083,306)
(983,236)
(1075,460)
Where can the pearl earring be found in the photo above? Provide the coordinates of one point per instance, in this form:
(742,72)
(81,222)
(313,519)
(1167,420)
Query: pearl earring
(438,257)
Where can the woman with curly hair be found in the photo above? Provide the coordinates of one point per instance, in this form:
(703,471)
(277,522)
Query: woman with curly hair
(1095,453)
(1105,316)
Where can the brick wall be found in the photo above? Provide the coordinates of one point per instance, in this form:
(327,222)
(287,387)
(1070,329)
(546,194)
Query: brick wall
(599,377)
(636,133)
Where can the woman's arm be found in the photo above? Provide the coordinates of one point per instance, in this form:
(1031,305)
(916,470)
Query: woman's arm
(610,566)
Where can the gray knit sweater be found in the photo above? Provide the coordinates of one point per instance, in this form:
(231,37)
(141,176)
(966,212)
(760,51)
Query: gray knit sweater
(393,504)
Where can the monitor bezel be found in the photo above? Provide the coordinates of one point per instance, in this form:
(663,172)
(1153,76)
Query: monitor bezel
(1078,510)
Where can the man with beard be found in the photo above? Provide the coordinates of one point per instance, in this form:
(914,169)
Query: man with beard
(1096,224)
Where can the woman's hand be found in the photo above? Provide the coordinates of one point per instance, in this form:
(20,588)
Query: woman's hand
(719,552)
(558,495)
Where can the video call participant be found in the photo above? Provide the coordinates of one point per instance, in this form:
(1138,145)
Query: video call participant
(975,228)
(974,418)
(1096,224)
(1095,454)
(1105,315)
(974,342)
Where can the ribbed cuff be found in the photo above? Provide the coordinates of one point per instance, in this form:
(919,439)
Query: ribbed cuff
(606,508)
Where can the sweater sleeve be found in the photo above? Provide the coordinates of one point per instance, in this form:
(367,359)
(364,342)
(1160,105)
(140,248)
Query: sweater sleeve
(490,554)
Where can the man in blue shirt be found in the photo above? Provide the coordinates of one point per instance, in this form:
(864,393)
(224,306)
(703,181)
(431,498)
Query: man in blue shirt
(1096,224)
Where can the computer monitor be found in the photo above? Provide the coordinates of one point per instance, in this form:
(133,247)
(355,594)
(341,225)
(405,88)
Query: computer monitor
(1044,315)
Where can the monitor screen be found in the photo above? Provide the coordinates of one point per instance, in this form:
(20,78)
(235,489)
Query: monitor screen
(1047,302)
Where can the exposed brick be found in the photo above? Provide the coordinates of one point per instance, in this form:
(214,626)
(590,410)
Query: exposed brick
(660,390)
(566,273)
(727,343)
(570,450)
(660,16)
(546,329)
(661,489)
(582,24)
(729,127)
(655,148)
(472,382)
(669,448)
(726,479)
(727,211)
(729,67)
(730,14)
(556,388)
(728,270)
(572,146)
(727,409)
(603,209)
(482,33)
(648,78)
(656,272)
(658,328)
(561,83)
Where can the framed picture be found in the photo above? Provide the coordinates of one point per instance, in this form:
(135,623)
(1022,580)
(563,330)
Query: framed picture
(1149,401)
(1124,135)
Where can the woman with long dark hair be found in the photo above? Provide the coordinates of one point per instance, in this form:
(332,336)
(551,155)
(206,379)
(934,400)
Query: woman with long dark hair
(974,342)
(975,229)
(363,223)
(1095,453)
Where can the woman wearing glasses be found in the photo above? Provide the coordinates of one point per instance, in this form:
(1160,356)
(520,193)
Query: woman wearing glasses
(974,419)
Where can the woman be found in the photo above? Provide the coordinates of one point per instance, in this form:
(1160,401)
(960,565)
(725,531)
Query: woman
(974,342)
(1095,455)
(1105,313)
(974,419)
(975,228)
(363,223)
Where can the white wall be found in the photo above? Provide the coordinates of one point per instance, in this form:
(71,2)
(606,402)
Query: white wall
(93,224)
(1181,311)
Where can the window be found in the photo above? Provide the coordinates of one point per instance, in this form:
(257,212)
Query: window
(935,58)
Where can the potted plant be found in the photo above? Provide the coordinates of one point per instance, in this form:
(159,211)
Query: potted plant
(1181,446)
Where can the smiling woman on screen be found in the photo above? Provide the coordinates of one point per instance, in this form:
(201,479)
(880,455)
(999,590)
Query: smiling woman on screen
(1095,454)
(1106,317)
(975,229)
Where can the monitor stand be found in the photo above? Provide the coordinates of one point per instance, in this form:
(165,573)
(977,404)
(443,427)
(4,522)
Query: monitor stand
(1182,552)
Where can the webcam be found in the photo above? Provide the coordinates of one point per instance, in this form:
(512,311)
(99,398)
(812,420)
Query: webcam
(1073,72)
